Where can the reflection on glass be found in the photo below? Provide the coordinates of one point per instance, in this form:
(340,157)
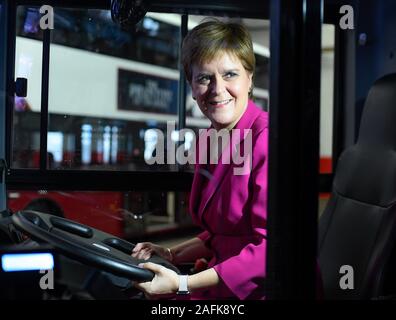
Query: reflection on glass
(106,145)
(55,145)
(109,90)
(86,142)
(28,60)
(106,85)
(115,82)
(114,144)
(32,21)
(150,143)
(131,215)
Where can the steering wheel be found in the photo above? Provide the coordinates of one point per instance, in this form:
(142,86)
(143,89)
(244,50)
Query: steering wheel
(86,244)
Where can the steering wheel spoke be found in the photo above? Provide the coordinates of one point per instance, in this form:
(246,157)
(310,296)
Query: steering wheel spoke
(86,244)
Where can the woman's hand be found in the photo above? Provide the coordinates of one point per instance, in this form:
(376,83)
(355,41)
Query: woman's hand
(164,284)
(144,251)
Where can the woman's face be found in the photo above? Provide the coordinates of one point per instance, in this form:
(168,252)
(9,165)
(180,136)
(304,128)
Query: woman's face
(221,88)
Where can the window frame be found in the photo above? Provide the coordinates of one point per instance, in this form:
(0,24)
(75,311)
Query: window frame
(45,178)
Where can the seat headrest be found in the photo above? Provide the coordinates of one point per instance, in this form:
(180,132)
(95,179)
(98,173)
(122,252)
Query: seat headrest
(378,123)
(366,172)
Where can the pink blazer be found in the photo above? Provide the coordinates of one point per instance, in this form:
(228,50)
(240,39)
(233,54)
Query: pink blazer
(232,209)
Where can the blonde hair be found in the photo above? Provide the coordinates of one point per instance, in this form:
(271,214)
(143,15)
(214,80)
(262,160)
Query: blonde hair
(210,38)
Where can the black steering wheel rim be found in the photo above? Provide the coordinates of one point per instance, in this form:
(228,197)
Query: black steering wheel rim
(86,244)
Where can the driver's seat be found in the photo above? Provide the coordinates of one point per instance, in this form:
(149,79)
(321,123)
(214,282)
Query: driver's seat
(357,228)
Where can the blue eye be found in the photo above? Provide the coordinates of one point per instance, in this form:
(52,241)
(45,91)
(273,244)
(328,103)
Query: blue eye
(203,79)
(230,74)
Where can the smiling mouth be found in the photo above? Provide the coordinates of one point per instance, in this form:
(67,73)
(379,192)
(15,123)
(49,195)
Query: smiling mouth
(220,103)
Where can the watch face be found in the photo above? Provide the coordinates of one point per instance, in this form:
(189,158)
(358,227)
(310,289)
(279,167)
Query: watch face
(183,287)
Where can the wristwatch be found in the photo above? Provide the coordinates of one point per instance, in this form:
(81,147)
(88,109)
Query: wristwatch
(183,289)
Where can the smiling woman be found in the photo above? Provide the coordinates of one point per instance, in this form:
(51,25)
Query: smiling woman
(218,61)
(220,74)
(221,88)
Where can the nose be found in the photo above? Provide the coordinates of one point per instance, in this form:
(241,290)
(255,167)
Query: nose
(218,86)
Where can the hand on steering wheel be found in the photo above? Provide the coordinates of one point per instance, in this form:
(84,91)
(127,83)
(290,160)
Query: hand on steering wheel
(164,284)
(144,250)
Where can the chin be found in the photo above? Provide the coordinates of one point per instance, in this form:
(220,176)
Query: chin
(221,124)
(222,119)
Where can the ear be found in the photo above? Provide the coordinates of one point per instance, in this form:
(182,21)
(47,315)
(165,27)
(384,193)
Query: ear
(250,76)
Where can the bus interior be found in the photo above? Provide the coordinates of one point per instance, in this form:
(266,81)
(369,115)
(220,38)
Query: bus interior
(86,103)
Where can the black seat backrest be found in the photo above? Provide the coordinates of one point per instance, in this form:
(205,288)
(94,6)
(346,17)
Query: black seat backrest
(358,227)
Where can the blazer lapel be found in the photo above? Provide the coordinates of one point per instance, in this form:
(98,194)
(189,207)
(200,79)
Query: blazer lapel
(195,189)
(223,167)
(214,182)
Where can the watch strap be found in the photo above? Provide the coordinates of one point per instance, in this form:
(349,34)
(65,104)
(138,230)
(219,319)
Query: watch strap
(183,288)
